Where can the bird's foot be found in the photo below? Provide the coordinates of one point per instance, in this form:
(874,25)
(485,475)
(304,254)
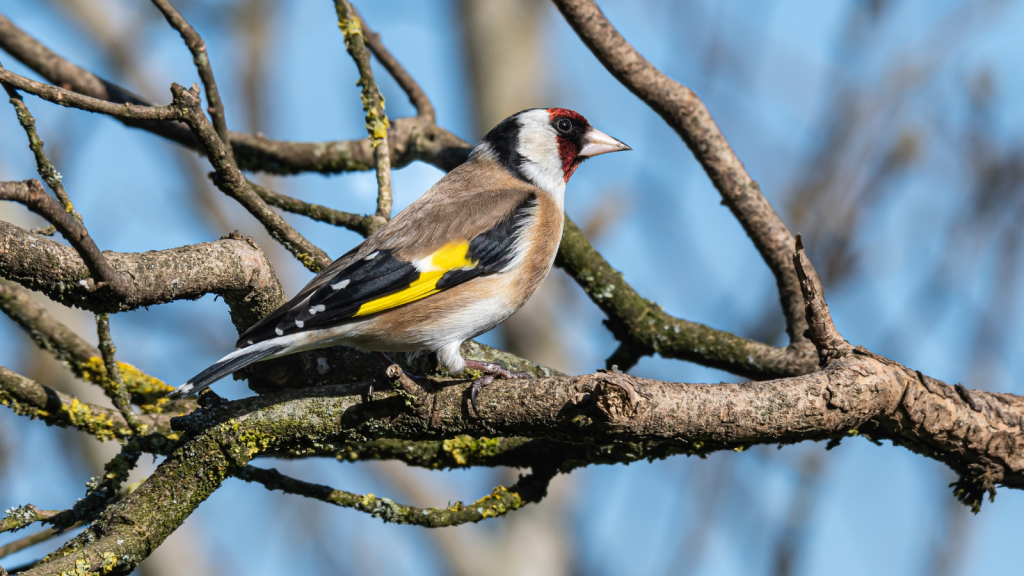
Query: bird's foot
(491,371)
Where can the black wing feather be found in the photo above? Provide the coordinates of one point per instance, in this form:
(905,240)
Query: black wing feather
(380,276)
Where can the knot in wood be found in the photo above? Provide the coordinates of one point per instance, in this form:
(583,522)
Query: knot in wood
(616,398)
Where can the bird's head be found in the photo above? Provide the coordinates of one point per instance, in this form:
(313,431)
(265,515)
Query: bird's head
(545,145)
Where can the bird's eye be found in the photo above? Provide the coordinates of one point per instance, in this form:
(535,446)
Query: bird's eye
(563,125)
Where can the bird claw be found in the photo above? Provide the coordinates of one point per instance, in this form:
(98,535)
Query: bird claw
(477,386)
(491,371)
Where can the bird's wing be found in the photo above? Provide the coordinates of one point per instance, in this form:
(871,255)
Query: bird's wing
(441,243)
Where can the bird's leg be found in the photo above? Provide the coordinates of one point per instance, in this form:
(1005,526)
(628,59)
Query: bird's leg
(491,371)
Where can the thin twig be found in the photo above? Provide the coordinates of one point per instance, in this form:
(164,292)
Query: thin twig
(362,225)
(820,329)
(115,388)
(373,104)
(28,541)
(418,98)
(47,171)
(19,517)
(498,503)
(229,179)
(197,47)
(34,197)
(64,97)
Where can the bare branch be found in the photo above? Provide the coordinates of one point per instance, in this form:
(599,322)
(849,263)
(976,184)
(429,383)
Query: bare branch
(116,389)
(409,138)
(234,268)
(644,328)
(229,179)
(499,502)
(424,109)
(47,171)
(34,197)
(64,97)
(373,104)
(362,225)
(27,542)
(684,112)
(197,47)
(821,331)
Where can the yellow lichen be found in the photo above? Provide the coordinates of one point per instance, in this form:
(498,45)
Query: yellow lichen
(463,448)
(149,392)
(109,562)
(100,425)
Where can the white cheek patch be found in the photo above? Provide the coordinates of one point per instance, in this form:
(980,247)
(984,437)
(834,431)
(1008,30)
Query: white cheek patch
(538,145)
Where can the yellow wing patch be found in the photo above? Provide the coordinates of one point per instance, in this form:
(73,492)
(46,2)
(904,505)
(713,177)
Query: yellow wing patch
(451,256)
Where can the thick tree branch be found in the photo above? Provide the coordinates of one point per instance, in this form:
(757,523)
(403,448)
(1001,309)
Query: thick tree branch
(373,104)
(975,433)
(234,268)
(684,112)
(409,138)
(31,194)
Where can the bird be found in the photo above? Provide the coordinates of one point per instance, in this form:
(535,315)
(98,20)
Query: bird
(454,264)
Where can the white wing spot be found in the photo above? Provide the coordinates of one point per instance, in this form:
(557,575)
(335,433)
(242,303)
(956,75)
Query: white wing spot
(299,323)
(318,308)
(250,342)
(372,255)
(340,285)
(279,332)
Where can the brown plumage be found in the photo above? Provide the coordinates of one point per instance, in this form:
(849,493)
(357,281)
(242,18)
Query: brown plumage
(457,262)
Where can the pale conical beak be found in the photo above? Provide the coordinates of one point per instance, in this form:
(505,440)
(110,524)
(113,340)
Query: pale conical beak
(596,143)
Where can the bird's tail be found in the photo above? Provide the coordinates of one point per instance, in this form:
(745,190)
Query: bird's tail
(231,363)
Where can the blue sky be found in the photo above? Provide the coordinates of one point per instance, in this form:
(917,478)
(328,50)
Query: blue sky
(924,279)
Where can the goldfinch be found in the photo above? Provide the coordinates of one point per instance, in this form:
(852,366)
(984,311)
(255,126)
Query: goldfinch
(456,263)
